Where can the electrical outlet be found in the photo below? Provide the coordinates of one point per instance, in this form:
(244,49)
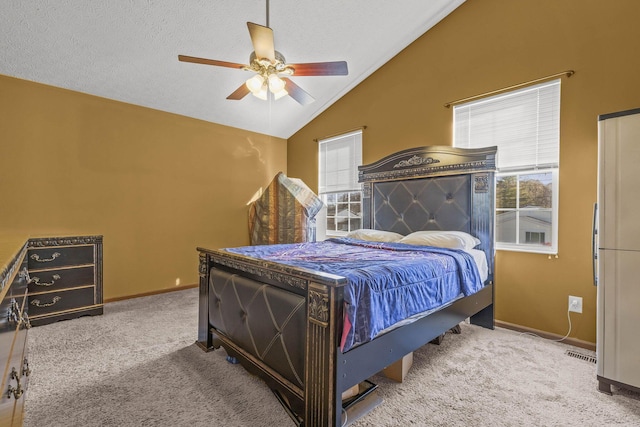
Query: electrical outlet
(575,304)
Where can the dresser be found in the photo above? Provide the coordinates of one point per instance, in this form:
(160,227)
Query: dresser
(42,280)
(65,278)
(14,323)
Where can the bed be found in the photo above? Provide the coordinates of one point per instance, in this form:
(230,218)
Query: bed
(291,323)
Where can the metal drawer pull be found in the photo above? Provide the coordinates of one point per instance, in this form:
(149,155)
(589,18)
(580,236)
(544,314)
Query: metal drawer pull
(13,313)
(26,371)
(25,321)
(53,256)
(36,280)
(24,274)
(16,391)
(37,302)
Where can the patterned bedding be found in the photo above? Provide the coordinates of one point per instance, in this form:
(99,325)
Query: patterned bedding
(388,282)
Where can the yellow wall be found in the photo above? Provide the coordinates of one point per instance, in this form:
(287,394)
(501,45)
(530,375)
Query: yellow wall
(156,185)
(486,45)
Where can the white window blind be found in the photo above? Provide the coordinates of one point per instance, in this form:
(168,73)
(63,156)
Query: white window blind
(524,124)
(338,164)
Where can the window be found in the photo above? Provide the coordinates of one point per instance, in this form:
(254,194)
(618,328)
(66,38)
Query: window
(339,158)
(525,125)
(524,209)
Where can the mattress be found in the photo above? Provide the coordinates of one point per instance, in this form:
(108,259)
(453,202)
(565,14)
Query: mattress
(480,259)
(387,282)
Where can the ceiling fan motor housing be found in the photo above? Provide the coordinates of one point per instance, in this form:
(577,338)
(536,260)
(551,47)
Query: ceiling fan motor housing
(265,66)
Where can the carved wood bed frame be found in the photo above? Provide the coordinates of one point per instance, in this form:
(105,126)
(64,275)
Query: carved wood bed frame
(425,188)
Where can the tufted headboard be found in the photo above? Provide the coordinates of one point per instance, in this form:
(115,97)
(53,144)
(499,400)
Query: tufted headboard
(433,188)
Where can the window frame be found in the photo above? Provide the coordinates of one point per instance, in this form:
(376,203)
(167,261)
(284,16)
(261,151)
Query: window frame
(530,247)
(334,232)
(547,130)
(348,186)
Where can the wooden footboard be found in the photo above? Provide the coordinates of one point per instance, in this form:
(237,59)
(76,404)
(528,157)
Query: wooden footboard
(296,350)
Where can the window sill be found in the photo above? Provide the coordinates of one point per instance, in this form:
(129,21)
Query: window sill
(533,250)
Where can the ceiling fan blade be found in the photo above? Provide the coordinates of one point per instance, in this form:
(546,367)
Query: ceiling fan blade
(239,93)
(337,68)
(205,61)
(262,39)
(297,93)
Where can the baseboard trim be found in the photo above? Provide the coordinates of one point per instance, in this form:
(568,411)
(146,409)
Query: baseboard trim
(571,341)
(146,294)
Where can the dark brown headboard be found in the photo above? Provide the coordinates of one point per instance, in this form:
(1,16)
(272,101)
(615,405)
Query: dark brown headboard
(433,188)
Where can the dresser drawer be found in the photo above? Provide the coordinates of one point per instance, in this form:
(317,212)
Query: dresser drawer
(16,378)
(11,312)
(53,257)
(63,278)
(52,302)
(13,303)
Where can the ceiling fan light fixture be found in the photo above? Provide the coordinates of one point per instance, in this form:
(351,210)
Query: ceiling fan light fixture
(256,84)
(276,84)
(261,93)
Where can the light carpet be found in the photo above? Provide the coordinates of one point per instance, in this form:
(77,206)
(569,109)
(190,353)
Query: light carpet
(137,365)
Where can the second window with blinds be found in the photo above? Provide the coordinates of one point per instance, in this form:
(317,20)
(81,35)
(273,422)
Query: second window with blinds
(525,126)
(338,187)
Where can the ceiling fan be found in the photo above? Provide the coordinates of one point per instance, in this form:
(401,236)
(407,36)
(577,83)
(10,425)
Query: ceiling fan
(270,68)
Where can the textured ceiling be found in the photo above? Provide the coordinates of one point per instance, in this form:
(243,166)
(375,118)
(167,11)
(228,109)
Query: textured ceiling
(127,50)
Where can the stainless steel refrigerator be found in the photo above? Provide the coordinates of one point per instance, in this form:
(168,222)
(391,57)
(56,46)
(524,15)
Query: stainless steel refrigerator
(618,251)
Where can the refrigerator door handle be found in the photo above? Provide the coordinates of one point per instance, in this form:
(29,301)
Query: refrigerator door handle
(594,243)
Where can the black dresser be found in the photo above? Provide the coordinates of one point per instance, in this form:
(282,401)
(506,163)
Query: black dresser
(65,278)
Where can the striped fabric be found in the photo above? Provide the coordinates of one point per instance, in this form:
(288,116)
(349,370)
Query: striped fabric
(284,213)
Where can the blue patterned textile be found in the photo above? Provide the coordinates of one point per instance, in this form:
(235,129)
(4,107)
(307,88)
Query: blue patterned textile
(388,282)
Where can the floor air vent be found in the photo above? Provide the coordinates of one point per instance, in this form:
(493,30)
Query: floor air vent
(578,355)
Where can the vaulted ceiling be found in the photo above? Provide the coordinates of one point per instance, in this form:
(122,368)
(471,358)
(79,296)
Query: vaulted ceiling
(128,50)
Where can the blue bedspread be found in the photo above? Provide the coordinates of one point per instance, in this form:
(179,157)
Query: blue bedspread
(388,282)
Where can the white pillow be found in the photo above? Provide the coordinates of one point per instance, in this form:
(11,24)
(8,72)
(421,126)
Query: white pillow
(442,239)
(374,235)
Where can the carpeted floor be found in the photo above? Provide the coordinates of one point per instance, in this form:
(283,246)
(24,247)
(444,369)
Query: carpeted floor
(137,365)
